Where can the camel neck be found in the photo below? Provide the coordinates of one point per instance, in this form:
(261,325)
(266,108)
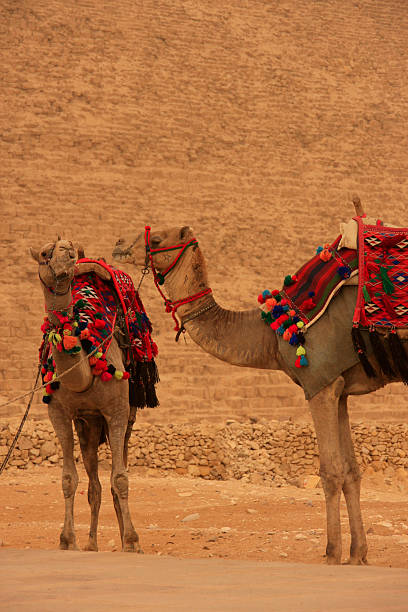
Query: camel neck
(238,337)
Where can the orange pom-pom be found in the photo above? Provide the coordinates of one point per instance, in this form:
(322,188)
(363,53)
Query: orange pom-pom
(84,333)
(270,303)
(92,360)
(69,342)
(325,255)
(287,335)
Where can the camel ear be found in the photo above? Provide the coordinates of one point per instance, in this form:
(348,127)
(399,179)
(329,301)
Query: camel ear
(81,251)
(35,254)
(185,232)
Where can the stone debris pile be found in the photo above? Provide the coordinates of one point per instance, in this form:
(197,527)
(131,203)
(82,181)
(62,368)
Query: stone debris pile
(264,452)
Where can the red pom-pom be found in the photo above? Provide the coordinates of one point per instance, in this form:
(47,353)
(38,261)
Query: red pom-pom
(297,362)
(48,377)
(101,364)
(49,389)
(261,298)
(275,292)
(275,325)
(126,375)
(106,376)
(99,324)
(293,328)
(68,326)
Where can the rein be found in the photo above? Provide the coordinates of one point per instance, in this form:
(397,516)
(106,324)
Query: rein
(159,278)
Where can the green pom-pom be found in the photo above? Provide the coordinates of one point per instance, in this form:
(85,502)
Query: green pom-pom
(288,280)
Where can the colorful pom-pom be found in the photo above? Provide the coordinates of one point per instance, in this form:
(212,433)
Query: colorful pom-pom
(303,360)
(46,399)
(297,362)
(319,250)
(69,342)
(105,376)
(286,335)
(99,324)
(270,303)
(288,281)
(126,375)
(118,374)
(344,272)
(300,324)
(300,350)
(325,255)
(261,298)
(266,294)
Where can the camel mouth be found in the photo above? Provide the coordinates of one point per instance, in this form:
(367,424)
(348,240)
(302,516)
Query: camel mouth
(122,254)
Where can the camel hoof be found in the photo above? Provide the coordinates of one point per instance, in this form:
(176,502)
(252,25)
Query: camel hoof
(68,546)
(91,547)
(356,561)
(333,561)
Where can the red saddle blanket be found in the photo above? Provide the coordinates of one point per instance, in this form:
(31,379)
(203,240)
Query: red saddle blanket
(382,299)
(100,306)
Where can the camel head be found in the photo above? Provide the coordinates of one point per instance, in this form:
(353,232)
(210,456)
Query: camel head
(133,249)
(177,259)
(56,262)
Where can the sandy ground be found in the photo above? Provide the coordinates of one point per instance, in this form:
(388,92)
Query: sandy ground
(208,545)
(193,518)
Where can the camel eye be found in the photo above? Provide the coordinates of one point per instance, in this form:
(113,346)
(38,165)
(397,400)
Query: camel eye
(43,253)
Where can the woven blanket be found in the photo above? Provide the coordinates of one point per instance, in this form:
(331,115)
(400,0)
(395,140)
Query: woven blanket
(98,307)
(306,295)
(382,299)
(318,280)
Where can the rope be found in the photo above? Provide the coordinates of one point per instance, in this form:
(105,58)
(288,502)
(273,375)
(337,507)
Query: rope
(34,390)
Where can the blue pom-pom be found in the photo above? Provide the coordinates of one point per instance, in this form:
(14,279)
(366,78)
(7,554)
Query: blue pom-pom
(319,250)
(311,294)
(285,308)
(303,361)
(266,294)
(280,331)
(344,271)
(296,319)
(277,311)
(294,340)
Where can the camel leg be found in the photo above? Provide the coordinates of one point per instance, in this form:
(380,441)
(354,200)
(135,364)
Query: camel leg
(351,489)
(119,482)
(62,424)
(324,409)
(89,437)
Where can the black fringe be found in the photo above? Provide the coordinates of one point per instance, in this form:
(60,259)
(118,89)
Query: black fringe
(360,348)
(143,378)
(399,356)
(380,354)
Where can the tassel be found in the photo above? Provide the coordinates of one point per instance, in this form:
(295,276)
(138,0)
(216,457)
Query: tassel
(360,348)
(399,356)
(367,297)
(388,306)
(380,353)
(387,284)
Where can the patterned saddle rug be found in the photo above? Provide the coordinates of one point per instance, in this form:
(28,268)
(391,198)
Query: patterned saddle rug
(382,299)
(100,307)
(382,265)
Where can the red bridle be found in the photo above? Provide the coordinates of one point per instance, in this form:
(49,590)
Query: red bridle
(159,277)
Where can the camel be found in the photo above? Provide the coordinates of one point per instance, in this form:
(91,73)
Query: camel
(241,338)
(94,407)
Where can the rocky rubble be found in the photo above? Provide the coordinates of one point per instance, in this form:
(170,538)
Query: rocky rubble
(261,452)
